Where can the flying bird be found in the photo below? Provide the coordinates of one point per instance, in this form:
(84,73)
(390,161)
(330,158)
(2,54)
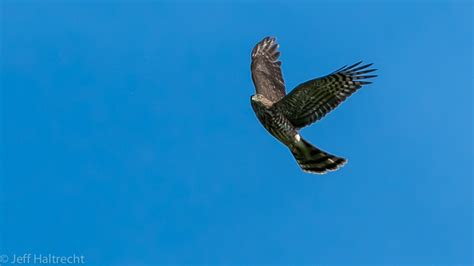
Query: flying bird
(283,115)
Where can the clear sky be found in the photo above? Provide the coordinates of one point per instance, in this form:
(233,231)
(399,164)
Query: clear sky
(128,136)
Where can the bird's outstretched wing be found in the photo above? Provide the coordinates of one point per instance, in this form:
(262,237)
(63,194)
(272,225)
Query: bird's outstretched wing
(312,100)
(266,70)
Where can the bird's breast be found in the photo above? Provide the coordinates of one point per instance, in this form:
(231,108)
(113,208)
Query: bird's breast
(276,124)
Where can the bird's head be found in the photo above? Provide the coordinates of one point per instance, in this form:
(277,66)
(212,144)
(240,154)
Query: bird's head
(259,98)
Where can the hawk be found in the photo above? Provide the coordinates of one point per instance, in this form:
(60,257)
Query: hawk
(283,115)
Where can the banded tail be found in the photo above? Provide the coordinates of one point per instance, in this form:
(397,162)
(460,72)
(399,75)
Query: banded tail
(314,160)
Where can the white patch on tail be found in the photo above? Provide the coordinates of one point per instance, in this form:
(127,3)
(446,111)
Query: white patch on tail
(298,137)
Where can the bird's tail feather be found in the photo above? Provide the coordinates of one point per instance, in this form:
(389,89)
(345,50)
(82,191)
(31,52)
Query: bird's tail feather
(314,160)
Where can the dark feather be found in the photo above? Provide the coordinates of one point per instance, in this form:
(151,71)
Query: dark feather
(266,70)
(312,100)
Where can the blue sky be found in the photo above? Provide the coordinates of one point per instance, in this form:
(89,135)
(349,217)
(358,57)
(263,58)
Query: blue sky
(128,136)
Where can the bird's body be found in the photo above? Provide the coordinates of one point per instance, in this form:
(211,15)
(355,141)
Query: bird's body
(274,120)
(283,115)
